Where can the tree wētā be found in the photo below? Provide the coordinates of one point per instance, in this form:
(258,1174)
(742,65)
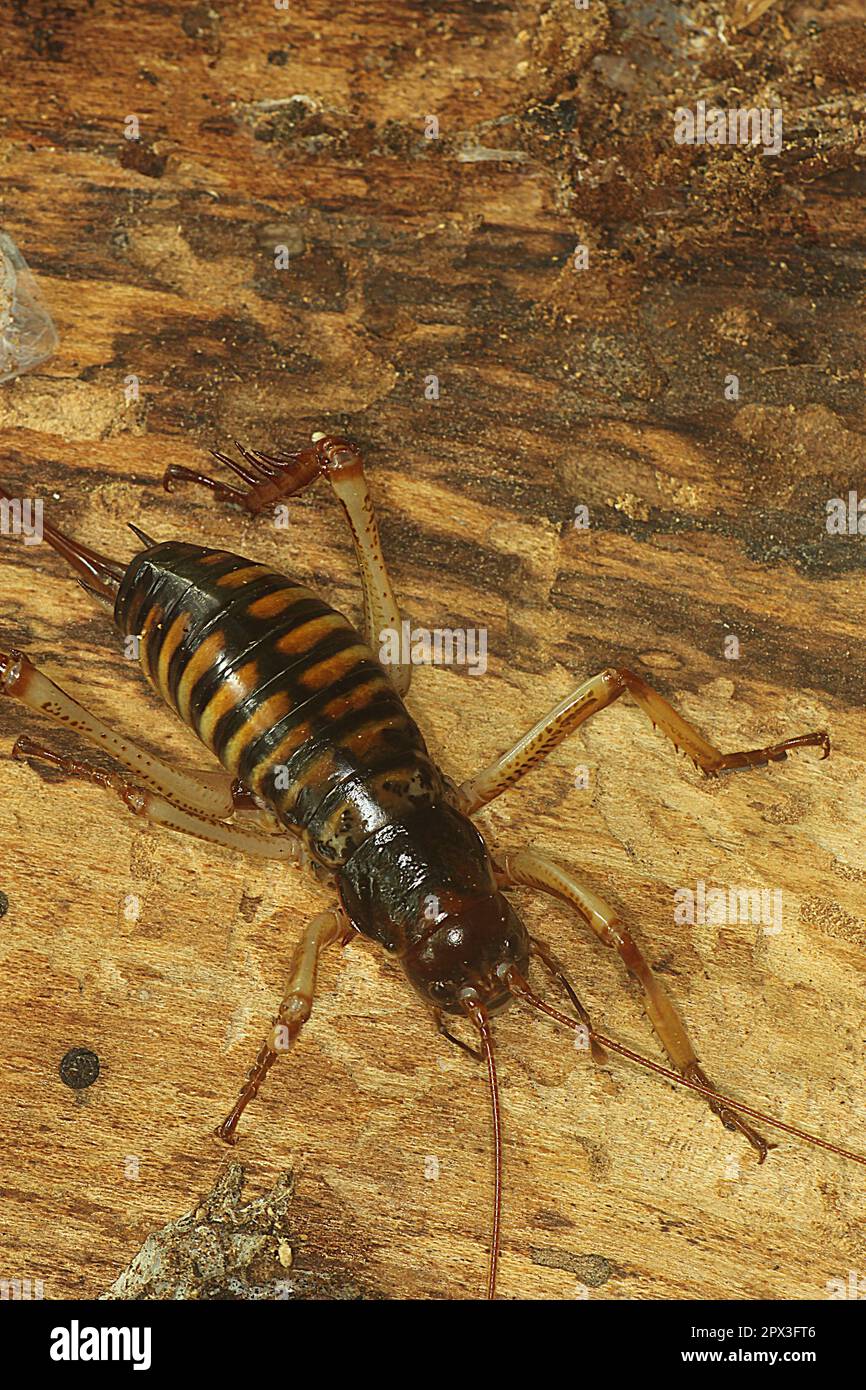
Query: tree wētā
(324,767)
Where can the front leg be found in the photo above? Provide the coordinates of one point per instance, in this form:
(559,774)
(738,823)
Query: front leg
(531,869)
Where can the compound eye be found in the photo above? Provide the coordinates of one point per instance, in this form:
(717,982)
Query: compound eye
(438,990)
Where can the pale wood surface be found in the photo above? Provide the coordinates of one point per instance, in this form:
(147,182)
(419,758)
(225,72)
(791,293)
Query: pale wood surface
(410,257)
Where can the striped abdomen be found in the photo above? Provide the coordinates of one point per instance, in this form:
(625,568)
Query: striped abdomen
(282,688)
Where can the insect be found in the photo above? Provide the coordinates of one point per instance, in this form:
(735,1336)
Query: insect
(324,767)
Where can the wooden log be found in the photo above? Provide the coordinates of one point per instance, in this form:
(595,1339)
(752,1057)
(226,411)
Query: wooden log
(431,305)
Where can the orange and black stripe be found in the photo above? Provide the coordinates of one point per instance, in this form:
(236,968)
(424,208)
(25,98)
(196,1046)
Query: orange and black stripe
(282,688)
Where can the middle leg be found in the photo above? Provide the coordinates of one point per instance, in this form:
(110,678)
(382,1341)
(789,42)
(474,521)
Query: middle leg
(531,869)
(295,1008)
(593,695)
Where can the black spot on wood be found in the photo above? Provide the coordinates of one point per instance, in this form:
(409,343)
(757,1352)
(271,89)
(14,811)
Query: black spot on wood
(79,1068)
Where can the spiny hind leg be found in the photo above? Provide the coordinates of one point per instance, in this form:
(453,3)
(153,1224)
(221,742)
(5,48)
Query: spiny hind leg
(595,694)
(270,479)
(344,469)
(205,794)
(528,868)
(239,836)
(324,930)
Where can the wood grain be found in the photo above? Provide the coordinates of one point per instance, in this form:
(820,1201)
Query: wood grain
(452,257)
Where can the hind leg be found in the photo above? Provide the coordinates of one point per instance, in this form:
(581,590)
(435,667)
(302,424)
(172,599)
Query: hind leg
(269,480)
(204,794)
(159,811)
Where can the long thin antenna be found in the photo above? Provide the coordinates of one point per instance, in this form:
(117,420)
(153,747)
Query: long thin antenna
(519,987)
(478,1014)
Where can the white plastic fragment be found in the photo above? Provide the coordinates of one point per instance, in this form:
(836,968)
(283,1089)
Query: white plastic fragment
(27,332)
